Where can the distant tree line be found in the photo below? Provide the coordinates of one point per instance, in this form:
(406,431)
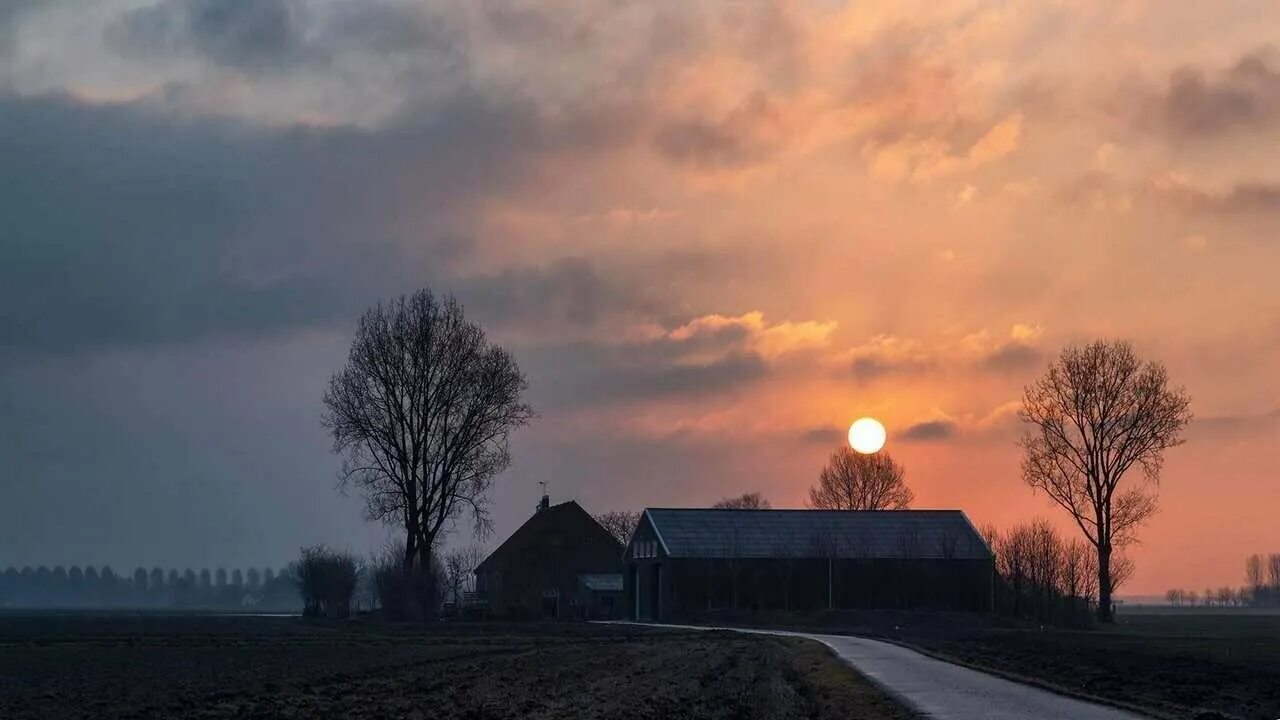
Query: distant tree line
(1045,577)
(157,588)
(1261,588)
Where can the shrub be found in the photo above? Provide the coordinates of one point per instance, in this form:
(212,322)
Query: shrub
(326,581)
(408,594)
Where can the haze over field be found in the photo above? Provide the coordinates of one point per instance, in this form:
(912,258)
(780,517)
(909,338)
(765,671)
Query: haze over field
(713,234)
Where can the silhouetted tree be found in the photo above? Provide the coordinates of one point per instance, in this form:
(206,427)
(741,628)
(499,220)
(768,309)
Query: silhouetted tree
(853,481)
(327,581)
(220,577)
(206,579)
(254,577)
(1253,572)
(620,523)
(404,592)
(459,566)
(422,413)
(140,580)
(1097,412)
(745,501)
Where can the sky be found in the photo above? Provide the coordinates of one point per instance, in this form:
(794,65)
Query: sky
(712,234)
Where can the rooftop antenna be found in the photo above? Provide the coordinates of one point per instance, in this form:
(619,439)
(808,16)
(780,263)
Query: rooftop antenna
(545,502)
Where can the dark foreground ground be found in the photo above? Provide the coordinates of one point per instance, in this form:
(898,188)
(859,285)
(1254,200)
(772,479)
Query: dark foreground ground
(115,666)
(1181,666)
(1170,664)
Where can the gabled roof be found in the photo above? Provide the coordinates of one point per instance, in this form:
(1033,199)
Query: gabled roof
(697,532)
(550,523)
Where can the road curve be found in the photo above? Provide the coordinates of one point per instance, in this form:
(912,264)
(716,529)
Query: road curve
(945,691)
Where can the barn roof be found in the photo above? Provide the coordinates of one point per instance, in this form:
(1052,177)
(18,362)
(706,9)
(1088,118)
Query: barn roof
(697,532)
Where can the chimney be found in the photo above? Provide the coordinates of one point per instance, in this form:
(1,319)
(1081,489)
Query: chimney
(545,502)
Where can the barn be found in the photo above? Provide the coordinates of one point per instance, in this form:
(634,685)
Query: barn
(681,562)
(560,564)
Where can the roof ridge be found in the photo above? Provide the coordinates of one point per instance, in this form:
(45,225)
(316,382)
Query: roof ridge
(809,510)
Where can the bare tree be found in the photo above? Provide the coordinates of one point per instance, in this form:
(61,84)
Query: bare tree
(620,523)
(745,501)
(1273,571)
(1253,571)
(1098,412)
(1121,569)
(326,580)
(422,413)
(1079,573)
(853,481)
(459,566)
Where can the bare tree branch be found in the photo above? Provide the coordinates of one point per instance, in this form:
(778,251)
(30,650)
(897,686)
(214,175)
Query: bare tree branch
(853,481)
(1097,412)
(422,412)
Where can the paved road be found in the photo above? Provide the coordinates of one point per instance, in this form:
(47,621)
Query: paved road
(945,691)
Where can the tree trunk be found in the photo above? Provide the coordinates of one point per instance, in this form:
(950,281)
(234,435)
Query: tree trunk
(1104,584)
(410,539)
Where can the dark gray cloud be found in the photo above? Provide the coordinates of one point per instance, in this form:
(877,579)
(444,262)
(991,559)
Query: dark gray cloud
(1201,104)
(588,373)
(566,292)
(1012,357)
(237,34)
(1242,198)
(742,137)
(929,431)
(823,435)
(1234,427)
(871,367)
(12,14)
(268,35)
(125,224)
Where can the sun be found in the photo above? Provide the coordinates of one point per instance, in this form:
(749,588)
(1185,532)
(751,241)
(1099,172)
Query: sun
(866,435)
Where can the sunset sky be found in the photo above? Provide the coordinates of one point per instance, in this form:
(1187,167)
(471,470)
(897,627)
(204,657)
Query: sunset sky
(712,233)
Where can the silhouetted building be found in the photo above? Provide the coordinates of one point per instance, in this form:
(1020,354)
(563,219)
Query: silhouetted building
(560,564)
(684,562)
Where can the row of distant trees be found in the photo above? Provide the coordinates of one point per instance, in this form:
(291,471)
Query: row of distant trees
(1046,577)
(1261,588)
(95,587)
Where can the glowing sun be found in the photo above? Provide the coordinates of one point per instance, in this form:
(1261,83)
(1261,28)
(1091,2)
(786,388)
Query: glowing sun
(866,435)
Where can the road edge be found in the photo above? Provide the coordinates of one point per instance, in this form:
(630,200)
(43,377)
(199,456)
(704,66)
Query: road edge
(1031,681)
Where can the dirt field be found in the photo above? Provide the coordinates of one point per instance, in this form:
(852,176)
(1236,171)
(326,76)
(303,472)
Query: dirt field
(1173,664)
(1180,666)
(242,667)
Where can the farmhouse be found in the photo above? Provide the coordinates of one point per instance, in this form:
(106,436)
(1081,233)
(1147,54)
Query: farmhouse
(682,562)
(560,564)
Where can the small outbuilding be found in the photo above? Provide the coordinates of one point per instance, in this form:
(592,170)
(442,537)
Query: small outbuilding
(560,564)
(684,561)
